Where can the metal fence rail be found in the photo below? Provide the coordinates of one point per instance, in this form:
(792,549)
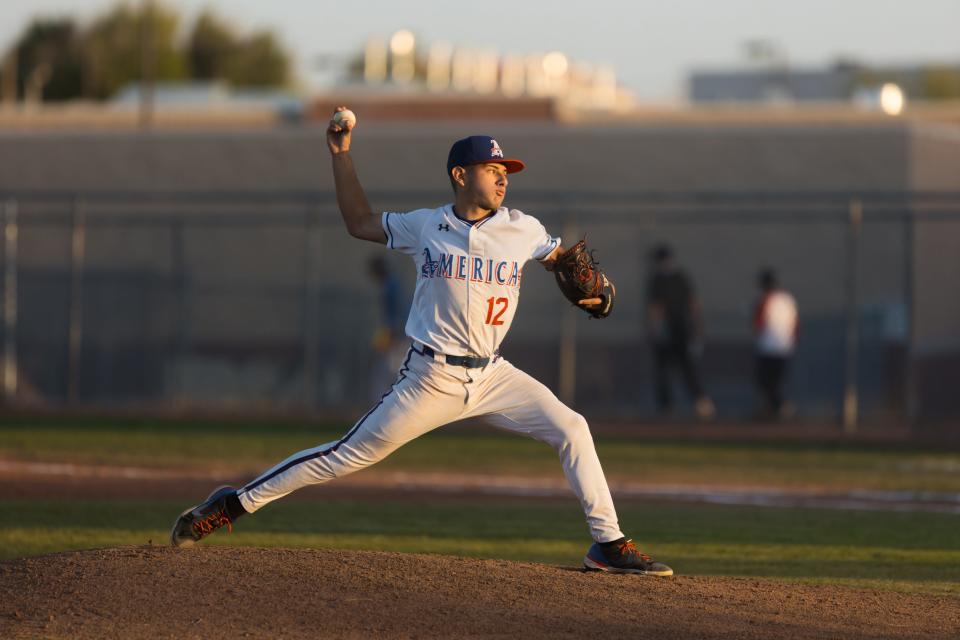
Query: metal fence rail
(260,298)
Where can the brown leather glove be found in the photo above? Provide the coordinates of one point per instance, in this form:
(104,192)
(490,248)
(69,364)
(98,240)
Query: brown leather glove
(580,279)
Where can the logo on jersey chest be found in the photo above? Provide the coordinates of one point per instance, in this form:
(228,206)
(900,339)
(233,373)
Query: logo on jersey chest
(473,268)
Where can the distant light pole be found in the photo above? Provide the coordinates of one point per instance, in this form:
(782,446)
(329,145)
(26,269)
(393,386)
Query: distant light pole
(36,81)
(10,77)
(147,64)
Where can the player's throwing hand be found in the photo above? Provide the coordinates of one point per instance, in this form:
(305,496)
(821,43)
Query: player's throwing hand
(338,133)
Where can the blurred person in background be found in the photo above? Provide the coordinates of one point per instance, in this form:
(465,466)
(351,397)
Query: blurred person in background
(775,329)
(675,329)
(388,342)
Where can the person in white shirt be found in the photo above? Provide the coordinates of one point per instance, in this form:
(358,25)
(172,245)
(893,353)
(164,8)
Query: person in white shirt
(776,327)
(469,258)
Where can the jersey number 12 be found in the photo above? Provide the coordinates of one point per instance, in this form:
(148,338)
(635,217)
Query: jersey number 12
(495,319)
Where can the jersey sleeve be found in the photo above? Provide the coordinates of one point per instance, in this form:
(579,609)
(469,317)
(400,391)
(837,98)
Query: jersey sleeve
(404,229)
(542,243)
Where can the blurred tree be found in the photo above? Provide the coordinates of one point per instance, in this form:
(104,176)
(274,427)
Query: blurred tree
(209,47)
(216,51)
(48,61)
(259,62)
(113,54)
(941,83)
(56,60)
(8,77)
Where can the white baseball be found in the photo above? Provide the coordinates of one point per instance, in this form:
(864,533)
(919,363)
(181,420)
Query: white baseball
(345,116)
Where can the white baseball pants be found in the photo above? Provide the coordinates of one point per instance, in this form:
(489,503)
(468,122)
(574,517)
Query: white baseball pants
(430,393)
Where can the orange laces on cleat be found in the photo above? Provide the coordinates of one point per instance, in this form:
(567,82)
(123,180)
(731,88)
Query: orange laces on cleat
(212,522)
(627,547)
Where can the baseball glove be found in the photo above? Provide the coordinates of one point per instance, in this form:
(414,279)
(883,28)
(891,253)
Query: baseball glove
(580,278)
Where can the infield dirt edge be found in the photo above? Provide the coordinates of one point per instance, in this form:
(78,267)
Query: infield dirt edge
(159,592)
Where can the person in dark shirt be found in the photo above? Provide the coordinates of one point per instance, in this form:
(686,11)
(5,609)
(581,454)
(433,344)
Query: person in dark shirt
(675,328)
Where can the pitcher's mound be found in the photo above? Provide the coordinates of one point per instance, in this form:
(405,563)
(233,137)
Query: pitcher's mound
(211,592)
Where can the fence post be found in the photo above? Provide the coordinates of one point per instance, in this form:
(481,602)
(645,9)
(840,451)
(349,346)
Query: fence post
(568,336)
(311,321)
(850,391)
(910,404)
(10,237)
(78,252)
(181,302)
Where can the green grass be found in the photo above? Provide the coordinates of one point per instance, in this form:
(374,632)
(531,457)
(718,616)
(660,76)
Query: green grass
(917,553)
(252,447)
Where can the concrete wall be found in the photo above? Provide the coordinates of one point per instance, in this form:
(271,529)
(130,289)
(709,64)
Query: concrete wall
(413,156)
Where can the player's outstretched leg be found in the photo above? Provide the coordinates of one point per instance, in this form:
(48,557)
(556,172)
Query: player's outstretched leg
(622,556)
(414,405)
(220,509)
(517,402)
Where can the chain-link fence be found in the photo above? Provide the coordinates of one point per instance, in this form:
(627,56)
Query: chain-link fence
(262,300)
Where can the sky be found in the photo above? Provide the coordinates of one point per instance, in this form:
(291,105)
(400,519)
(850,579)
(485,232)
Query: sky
(652,45)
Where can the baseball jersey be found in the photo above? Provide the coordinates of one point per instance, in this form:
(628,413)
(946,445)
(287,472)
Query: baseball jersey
(468,274)
(776,323)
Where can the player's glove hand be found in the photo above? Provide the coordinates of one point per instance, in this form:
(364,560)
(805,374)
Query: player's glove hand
(582,282)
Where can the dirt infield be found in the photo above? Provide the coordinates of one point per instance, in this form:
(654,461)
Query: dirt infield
(158,592)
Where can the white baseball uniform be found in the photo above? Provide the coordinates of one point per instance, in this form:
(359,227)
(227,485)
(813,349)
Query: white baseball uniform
(468,287)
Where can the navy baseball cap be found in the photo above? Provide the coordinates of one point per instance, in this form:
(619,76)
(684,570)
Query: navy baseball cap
(480,150)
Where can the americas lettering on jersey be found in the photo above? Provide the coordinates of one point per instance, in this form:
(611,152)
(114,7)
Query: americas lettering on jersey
(457,266)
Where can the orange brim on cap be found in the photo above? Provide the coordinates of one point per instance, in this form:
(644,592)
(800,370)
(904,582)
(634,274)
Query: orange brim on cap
(512,164)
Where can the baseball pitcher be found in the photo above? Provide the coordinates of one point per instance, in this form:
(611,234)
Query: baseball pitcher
(469,258)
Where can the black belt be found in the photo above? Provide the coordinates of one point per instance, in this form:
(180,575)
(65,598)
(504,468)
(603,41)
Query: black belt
(469,362)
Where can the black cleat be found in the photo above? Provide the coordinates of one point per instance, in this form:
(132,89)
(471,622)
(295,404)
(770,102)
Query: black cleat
(198,522)
(622,556)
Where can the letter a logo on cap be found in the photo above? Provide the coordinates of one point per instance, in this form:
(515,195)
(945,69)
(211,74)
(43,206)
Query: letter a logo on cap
(495,151)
